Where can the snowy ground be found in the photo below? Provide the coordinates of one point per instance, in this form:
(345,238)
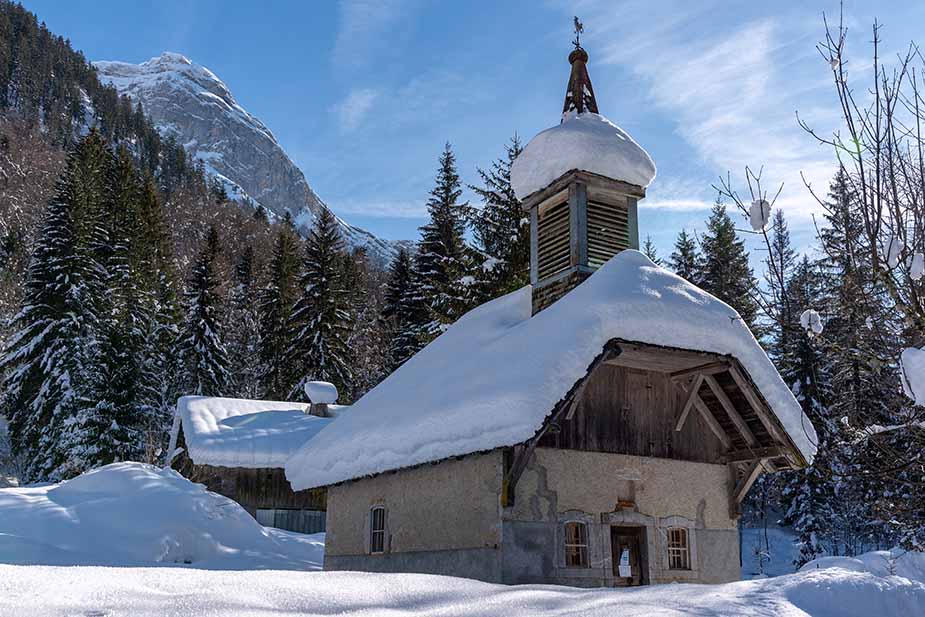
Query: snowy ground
(134,540)
(131,514)
(782,552)
(139,592)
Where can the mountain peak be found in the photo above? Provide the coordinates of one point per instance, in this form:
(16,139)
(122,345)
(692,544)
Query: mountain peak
(188,101)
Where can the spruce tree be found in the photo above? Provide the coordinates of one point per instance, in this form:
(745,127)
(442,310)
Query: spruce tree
(648,248)
(111,424)
(202,344)
(686,260)
(275,304)
(443,258)
(321,319)
(404,311)
(243,335)
(726,272)
(501,228)
(46,360)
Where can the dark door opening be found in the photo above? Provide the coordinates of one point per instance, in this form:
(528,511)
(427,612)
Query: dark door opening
(630,564)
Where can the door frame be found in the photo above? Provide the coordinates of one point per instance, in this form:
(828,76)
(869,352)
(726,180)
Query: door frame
(642,549)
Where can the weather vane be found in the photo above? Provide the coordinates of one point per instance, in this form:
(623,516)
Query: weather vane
(579,28)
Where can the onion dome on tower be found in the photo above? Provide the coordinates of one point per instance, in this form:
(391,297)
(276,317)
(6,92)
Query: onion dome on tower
(580,180)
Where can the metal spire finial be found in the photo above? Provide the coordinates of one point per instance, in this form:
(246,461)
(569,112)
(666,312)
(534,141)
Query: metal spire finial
(579,28)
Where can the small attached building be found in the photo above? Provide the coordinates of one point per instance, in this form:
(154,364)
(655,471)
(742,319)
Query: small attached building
(238,448)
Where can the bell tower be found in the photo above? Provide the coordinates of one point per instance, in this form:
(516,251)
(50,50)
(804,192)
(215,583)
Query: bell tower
(580,181)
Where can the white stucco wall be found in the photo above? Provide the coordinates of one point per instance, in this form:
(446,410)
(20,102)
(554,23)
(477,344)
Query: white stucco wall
(446,506)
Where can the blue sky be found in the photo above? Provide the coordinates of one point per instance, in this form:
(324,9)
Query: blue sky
(362,94)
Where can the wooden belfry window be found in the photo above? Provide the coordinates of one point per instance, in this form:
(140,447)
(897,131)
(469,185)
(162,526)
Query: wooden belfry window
(679,550)
(377,530)
(576,545)
(553,240)
(608,232)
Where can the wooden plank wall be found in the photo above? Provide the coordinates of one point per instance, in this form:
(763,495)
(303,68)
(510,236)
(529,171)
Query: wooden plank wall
(633,411)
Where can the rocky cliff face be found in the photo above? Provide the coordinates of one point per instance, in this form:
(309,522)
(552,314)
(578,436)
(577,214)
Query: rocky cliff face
(190,102)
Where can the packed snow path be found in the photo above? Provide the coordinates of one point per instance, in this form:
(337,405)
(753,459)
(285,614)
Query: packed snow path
(115,592)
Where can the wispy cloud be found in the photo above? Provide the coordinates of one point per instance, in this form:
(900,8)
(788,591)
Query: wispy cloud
(367,28)
(353,110)
(732,94)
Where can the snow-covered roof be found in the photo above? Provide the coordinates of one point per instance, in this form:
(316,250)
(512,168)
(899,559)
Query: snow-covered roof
(321,392)
(492,378)
(586,142)
(231,432)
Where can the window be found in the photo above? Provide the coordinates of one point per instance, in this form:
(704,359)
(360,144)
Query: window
(576,545)
(679,551)
(377,530)
(292,519)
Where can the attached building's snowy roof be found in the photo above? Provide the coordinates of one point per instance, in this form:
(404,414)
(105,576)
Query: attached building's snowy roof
(586,142)
(230,432)
(492,378)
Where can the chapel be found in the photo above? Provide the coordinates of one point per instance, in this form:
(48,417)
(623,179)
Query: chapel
(599,427)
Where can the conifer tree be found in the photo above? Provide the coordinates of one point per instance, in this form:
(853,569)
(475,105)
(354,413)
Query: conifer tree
(243,335)
(110,425)
(443,258)
(404,311)
(275,304)
(726,272)
(686,260)
(501,228)
(320,323)
(648,248)
(202,345)
(45,361)
(366,338)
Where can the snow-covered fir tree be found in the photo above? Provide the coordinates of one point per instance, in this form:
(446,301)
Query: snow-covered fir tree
(111,423)
(366,339)
(45,360)
(648,249)
(321,318)
(275,303)
(243,334)
(725,270)
(443,259)
(202,345)
(808,494)
(686,260)
(501,229)
(404,312)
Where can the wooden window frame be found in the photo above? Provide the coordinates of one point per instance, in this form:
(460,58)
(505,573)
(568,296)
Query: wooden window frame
(377,533)
(679,548)
(576,546)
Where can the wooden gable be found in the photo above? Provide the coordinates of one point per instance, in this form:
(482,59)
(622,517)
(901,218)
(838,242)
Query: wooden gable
(649,400)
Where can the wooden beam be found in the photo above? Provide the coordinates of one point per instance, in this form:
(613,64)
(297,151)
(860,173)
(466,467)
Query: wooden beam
(753,454)
(689,401)
(746,481)
(769,424)
(712,423)
(706,369)
(731,411)
(521,453)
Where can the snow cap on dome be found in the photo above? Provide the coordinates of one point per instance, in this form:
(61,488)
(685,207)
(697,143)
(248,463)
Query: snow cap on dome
(586,142)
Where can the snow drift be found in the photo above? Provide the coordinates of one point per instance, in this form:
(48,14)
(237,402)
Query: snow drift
(588,142)
(140,592)
(132,514)
(494,375)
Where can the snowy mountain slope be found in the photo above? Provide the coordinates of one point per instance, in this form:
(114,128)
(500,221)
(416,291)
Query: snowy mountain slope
(190,102)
